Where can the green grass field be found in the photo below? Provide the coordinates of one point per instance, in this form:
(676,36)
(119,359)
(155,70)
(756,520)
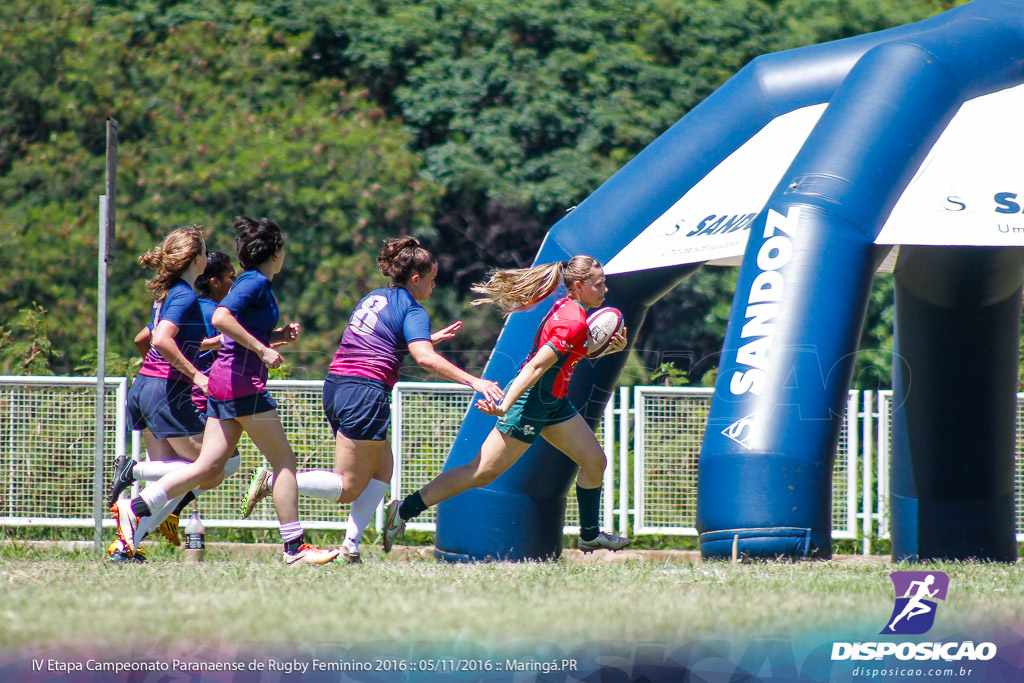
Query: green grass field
(64,599)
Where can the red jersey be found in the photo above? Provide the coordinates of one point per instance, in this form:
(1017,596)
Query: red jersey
(564,330)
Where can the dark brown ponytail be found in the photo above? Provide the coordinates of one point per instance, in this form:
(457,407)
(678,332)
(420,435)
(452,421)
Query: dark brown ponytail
(402,258)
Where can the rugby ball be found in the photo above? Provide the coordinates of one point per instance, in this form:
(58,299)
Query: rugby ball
(603,324)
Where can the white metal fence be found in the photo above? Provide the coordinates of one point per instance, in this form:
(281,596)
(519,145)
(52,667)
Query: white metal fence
(47,447)
(668,430)
(651,435)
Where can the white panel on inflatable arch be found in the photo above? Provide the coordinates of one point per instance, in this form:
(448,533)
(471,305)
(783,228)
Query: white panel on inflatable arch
(968,192)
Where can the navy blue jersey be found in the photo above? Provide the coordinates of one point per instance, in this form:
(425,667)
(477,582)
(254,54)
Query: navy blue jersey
(205,359)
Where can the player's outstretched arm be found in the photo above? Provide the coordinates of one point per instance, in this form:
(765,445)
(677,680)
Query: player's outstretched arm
(446,332)
(285,335)
(423,353)
(531,372)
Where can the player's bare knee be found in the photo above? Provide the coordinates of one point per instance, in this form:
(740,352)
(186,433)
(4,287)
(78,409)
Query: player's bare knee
(352,485)
(349,495)
(212,477)
(596,465)
(484,476)
(213,481)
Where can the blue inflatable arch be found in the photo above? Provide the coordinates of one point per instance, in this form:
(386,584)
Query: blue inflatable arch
(765,468)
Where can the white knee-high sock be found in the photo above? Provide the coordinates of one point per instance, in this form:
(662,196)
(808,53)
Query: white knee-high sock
(232,465)
(151,470)
(155,497)
(362,511)
(320,484)
(147,524)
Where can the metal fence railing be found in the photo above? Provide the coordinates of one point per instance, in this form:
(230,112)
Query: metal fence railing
(668,434)
(48,448)
(651,435)
(425,420)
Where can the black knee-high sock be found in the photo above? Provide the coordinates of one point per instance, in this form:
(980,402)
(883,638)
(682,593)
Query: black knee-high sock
(140,507)
(185,500)
(589,501)
(412,506)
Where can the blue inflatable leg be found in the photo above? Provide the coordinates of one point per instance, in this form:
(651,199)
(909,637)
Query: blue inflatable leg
(764,475)
(954,411)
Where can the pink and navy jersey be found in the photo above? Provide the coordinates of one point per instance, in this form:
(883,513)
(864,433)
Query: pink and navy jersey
(237,371)
(377,338)
(181,307)
(565,330)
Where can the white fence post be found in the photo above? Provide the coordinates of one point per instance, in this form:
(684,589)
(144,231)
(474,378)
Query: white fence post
(852,424)
(623,460)
(639,504)
(396,445)
(608,426)
(882,463)
(866,526)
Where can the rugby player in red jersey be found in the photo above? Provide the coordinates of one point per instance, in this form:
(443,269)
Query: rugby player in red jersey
(535,402)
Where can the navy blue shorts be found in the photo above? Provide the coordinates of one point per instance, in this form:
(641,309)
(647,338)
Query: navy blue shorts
(164,407)
(358,408)
(244,406)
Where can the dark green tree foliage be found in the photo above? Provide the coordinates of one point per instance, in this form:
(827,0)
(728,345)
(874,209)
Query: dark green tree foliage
(470,123)
(25,348)
(521,110)
(216,121)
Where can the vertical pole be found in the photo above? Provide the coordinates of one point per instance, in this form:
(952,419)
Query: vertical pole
(101,372)
(868,444)
(105,257)
(881,466)
(121,417)
(396,445)
(111,190)
(608,521)
(852,420)
(639,502)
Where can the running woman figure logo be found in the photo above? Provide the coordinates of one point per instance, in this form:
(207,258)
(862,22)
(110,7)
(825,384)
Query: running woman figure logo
(917,594)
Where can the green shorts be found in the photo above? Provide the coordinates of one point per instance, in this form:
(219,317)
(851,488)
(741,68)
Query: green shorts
(535,410)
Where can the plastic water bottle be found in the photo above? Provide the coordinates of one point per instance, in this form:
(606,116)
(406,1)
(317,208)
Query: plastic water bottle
(195,539)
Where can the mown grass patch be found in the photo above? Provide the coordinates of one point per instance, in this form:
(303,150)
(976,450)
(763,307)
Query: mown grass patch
(72,599)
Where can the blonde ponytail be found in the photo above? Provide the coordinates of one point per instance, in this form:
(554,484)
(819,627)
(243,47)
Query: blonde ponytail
(171,258)
(519,289)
